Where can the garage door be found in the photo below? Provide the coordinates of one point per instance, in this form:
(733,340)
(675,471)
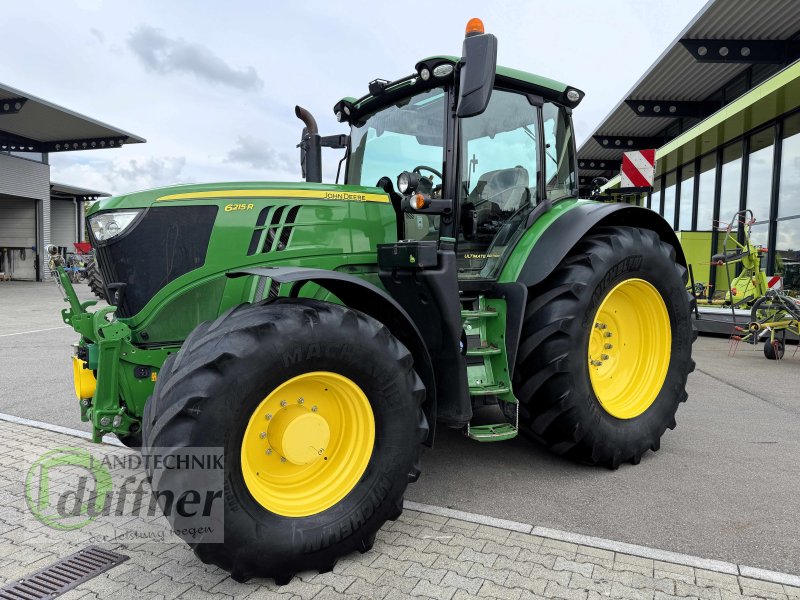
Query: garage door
(62,223)
(17,238)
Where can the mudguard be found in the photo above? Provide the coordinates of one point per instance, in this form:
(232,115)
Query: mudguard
(566,231)
(371,300)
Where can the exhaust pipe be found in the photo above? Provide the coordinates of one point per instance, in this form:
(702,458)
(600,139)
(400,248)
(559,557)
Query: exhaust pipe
(307,118)
(310,147)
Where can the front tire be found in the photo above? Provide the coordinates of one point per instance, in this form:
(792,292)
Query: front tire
(616,307)
(95,279)
(283,377)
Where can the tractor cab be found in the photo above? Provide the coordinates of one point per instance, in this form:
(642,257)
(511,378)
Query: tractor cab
(474,173)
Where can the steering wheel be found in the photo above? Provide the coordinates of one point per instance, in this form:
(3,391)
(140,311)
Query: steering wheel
(431,169)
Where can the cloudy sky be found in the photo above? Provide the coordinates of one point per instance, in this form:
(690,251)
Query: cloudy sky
(212,85)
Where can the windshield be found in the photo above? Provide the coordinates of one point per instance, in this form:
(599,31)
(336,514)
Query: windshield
(398,138)
(559,152)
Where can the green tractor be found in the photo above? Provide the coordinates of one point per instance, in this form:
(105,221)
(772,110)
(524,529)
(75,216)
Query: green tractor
(318,333)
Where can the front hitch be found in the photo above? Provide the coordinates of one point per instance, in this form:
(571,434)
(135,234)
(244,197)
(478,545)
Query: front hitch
(96,363)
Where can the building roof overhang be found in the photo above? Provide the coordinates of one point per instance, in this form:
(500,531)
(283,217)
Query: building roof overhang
(30,124)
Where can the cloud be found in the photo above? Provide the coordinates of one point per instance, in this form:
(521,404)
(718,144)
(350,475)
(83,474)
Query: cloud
(120,176)
(163,55)
(99,35)
(152,172)
(260,155)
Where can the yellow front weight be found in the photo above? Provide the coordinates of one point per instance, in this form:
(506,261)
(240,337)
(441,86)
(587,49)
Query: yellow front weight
(84,380)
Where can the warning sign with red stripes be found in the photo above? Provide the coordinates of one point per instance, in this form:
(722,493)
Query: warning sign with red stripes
(638,168)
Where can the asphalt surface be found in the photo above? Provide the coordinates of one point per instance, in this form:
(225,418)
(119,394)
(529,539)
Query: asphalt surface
(724,485)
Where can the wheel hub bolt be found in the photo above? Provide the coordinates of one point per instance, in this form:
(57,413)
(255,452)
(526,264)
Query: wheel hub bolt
(263,434)
(314,408)
(283,459)
(600,325)
(283,403)
(604,356)
(269,416)
(596,363)
(608,346)
(607,334)
(269,451)
(301,400)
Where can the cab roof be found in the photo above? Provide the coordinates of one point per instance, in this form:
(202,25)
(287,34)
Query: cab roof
(515,79)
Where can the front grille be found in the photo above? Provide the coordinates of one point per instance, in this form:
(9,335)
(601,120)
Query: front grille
(165,243)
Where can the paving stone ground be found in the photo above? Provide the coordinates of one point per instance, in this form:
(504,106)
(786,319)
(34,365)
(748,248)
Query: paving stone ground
(419,555)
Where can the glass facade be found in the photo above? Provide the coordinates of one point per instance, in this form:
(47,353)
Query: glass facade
(687,198)
(750,160)
(787,255)
(668,206)
(730,182)
(787,231)
(789,194)
(706,183)
(759,173)
(654,200)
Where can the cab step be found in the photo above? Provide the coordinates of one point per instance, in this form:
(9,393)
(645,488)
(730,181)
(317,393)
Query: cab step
(478,314)
(492,433)
(490,350)
(494,389)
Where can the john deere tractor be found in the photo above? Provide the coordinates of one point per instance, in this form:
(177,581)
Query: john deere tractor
(318,333)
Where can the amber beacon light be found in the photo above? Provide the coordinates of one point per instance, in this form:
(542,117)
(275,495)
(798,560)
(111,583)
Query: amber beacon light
(474,27)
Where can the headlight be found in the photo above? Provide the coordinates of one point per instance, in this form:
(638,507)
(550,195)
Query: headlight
(110,224)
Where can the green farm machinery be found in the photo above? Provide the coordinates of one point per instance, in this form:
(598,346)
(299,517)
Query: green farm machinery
(319,333)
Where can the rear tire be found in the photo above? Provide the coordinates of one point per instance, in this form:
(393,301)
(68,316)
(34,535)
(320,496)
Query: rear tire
(209,394)
(95,279)
(558,402)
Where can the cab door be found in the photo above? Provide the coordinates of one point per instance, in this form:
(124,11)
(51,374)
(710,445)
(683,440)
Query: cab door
(500,180)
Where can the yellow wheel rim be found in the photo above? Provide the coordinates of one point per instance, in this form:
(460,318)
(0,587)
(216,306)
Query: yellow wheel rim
(307,444)
(629,348)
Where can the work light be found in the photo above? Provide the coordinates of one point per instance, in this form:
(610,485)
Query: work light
(407,182)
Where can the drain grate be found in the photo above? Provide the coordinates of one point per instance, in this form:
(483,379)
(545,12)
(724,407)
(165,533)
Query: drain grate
(64,575)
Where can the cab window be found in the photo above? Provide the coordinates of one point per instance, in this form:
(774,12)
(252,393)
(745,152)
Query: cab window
(559,152)
(500,170)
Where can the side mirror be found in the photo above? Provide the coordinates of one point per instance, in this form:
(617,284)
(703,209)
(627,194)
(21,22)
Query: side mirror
(479,62)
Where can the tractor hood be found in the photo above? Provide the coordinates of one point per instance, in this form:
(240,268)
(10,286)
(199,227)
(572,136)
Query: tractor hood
(157,244)
(234,192)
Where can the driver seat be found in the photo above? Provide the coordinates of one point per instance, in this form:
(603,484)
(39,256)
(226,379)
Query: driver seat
(502,187)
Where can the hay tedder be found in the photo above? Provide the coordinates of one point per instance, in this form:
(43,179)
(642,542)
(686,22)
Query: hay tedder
(319,332)
(773,315)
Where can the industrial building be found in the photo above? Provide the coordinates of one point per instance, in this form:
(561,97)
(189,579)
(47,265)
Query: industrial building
(722,107)
(34,211)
